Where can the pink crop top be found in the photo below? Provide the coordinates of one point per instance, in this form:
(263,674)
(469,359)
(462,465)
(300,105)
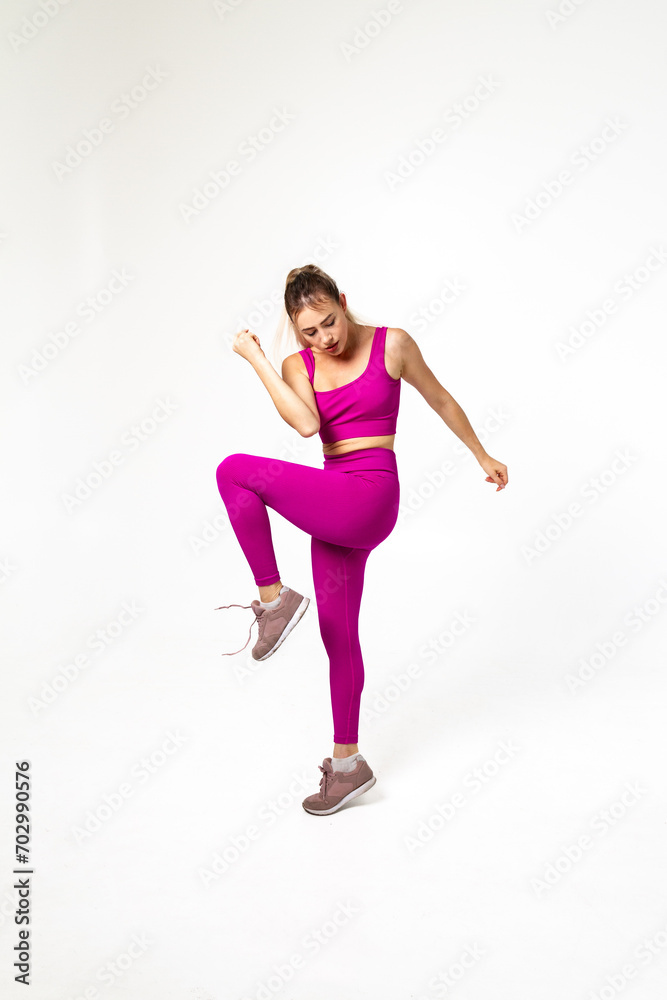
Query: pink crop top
(365,407)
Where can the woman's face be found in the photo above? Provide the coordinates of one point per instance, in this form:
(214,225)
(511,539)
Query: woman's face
(324,326)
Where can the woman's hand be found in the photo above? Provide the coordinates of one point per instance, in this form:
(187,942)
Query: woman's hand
(247,345)
(496,471)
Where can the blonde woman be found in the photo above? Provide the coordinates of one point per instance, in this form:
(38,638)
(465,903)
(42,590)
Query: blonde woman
(344,384)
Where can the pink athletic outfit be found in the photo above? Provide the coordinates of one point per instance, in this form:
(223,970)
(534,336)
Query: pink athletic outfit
(348,507)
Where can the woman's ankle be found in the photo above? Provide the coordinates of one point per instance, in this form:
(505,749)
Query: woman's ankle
(270,592)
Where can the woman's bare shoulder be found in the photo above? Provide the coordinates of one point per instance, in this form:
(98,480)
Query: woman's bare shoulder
(397,342)
(397,336)
(295,363)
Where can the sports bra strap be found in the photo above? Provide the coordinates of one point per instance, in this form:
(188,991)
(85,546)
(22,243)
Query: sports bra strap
(307,356)
(377,350)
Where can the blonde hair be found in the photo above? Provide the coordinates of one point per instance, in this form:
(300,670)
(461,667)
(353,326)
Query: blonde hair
(306,286)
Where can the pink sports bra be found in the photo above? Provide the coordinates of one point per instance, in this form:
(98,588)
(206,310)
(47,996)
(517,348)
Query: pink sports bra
(365,407)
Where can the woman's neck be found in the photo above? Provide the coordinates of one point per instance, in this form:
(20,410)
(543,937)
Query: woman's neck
(354,338)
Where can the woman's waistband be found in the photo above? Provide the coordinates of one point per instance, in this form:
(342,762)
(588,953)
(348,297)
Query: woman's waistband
(367,459)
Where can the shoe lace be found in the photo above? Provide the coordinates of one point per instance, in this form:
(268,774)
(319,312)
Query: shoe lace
(326,776)
(260,626)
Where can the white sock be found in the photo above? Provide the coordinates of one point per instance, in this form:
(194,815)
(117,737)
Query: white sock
(346,763)
(274,604)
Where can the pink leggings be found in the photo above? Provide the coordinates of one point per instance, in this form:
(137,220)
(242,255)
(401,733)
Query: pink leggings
(348,507)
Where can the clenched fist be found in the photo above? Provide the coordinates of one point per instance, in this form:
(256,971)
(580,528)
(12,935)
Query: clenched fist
(247,345)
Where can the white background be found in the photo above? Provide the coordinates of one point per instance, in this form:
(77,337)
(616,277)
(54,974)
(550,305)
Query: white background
(550,869)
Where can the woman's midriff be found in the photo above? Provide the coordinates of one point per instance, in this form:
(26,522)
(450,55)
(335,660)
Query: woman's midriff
(356,444)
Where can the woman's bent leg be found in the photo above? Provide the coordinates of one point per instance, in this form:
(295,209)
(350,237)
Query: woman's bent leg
(339,508)
(338,575)
(247,513)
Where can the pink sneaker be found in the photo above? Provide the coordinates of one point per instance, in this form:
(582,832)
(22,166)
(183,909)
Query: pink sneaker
(273,624)
(338,787)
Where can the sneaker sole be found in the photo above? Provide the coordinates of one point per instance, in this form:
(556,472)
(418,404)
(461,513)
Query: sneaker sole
(347,798)
(294,620)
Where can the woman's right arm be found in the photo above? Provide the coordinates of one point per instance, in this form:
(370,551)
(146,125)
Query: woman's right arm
(292,394)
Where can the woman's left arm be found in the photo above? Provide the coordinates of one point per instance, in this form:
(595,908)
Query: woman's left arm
(404,349)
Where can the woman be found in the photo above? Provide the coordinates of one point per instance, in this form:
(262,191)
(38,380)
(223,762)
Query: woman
(345,385)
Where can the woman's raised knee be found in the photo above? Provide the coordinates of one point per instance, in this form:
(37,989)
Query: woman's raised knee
(229,466)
